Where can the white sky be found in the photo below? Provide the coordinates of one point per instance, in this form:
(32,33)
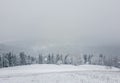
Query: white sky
(89,21)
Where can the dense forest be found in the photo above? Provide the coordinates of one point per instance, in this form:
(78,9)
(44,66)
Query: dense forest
(10,59)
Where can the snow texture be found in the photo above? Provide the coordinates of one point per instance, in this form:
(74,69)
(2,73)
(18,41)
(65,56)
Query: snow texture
(45,73)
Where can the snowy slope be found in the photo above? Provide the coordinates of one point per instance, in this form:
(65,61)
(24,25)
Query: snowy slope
(31,73)
(45,68)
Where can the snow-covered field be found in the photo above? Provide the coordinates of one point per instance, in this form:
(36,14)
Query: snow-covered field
(59,74)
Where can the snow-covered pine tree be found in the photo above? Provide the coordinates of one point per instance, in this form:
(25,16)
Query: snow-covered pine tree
(5,61)
(22,58)
(40,59)
(1,62)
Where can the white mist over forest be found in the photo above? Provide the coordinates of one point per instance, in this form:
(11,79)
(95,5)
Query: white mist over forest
(65,26)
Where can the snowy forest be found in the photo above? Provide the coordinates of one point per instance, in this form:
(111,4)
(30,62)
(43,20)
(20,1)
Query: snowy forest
(10,59)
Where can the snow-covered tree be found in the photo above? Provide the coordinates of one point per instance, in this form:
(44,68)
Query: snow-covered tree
(40,59)
(5,61)
(65,59)
(52,59)
(1,62)
(85,57)
(101,59)
(22,58)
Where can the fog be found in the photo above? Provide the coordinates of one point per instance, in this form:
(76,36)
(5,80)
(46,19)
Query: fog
(80,22)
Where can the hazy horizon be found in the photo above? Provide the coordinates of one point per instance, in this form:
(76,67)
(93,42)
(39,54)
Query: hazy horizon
(89,21)
(64,25)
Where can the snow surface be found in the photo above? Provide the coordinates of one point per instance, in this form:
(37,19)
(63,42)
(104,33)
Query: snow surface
(46,73)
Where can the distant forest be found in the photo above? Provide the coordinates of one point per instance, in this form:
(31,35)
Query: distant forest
(10,59)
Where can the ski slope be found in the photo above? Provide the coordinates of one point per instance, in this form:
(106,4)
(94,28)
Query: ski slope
(44,73)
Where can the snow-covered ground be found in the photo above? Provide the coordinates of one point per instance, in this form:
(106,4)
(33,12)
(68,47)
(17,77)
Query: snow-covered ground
(59,74)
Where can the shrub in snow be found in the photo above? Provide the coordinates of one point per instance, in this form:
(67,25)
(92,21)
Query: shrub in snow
(59,62)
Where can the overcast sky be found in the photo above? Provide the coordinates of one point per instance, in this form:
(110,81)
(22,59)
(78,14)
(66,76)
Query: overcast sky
(89,21)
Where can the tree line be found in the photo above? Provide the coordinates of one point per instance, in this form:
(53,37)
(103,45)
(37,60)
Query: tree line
(10,59)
